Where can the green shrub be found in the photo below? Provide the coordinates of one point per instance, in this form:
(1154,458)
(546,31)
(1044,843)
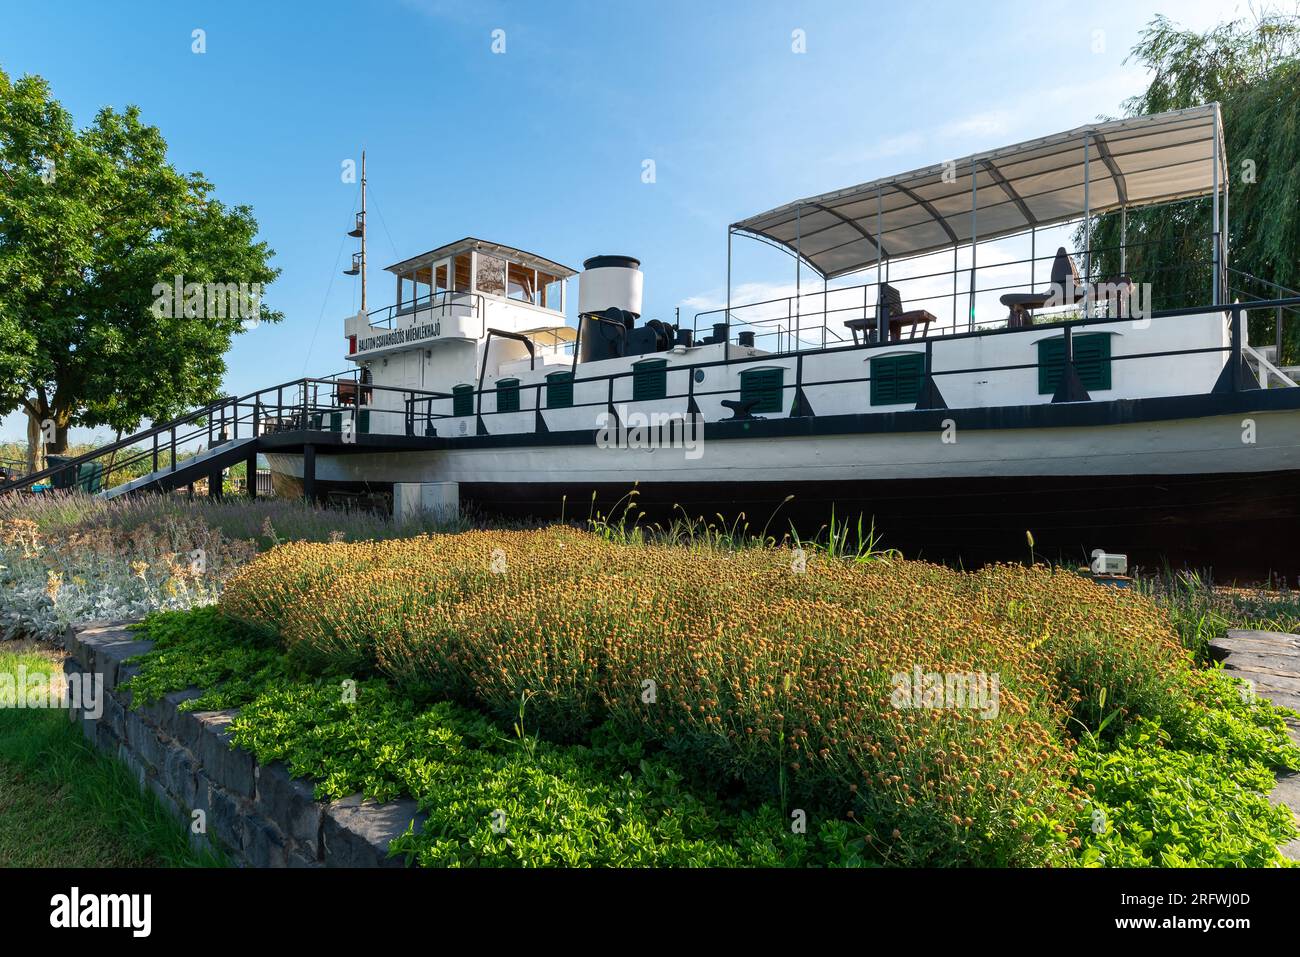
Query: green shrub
(777,688)
(203,649)
(494,800)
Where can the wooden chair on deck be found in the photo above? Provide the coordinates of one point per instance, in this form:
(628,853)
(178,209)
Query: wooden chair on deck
(1066,289)
(890,309)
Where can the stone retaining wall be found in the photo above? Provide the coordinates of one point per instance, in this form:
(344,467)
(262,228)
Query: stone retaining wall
(258,815)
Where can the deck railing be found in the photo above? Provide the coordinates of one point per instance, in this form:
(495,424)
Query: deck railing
(444,303)
(300,405)
(422,417)
(814,318)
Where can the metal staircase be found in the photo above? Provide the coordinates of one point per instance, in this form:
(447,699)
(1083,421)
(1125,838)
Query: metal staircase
(202,465)
(292,416)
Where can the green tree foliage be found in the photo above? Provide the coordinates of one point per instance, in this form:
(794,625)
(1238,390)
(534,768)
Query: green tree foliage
(1252,69)
(91,221)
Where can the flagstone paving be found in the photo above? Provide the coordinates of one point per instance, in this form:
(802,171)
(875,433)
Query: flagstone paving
(1270,661)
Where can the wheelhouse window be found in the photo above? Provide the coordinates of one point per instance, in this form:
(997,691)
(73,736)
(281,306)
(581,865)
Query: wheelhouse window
(491,278)
(441,278)
(414,287)
(462,273)
(423,285)
(1091,360)
(521,283)
(462,400)
(508,395)
(533,286)
(896,380)
(550,291)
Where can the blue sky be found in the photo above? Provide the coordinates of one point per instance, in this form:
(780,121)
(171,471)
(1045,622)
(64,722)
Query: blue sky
(543,146)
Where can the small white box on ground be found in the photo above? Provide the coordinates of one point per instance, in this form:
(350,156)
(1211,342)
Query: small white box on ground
(439,499)
(1108,563)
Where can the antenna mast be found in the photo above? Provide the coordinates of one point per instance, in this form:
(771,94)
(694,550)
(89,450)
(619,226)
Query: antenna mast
(359,231)
(363,230)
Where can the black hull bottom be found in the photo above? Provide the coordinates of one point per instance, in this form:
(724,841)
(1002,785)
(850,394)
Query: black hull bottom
(1243,526)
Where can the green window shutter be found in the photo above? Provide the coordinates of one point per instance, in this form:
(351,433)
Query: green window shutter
(336,421)
(896,380)
(462,400)
(559,390)
(765,386)
(507,395)
(363,421)
(649,380)
(1091,359)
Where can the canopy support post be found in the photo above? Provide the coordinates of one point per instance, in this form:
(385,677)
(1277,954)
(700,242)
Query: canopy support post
(974,239)
(826,308)
(798,274)
(1227,189)
(1123,241)
(730,233)
(954,287)
(1087,236)
(1215,206)
(881,335)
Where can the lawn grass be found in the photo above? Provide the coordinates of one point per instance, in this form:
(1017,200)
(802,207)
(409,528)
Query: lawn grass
(62,804)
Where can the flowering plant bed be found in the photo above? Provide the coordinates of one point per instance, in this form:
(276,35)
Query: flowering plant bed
(69,557)
(807,704)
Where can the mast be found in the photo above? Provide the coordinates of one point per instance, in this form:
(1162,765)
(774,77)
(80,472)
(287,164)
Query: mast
(359,231)
(363,230)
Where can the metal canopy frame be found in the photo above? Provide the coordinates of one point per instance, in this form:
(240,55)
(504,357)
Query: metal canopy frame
(1105,139)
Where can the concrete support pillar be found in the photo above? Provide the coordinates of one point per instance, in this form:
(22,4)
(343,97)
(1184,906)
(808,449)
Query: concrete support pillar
(441,500)
(309,473)
(250,475)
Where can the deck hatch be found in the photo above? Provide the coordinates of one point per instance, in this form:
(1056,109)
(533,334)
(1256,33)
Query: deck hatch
(559,390)
(462,400)
(896,380)
(508,395)
(649,380)
(1091,359)
(763,385)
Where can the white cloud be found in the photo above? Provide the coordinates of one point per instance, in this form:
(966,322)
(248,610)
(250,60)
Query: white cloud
(988,123)
(879,149)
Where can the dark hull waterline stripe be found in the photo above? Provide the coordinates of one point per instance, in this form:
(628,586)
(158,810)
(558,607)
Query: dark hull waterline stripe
(1240,525)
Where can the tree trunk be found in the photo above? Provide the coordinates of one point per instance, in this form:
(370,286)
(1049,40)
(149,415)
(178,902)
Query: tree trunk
(35,444)
(60,443)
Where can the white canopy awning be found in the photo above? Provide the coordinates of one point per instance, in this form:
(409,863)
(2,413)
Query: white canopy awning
(1129,163)
(551,336)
